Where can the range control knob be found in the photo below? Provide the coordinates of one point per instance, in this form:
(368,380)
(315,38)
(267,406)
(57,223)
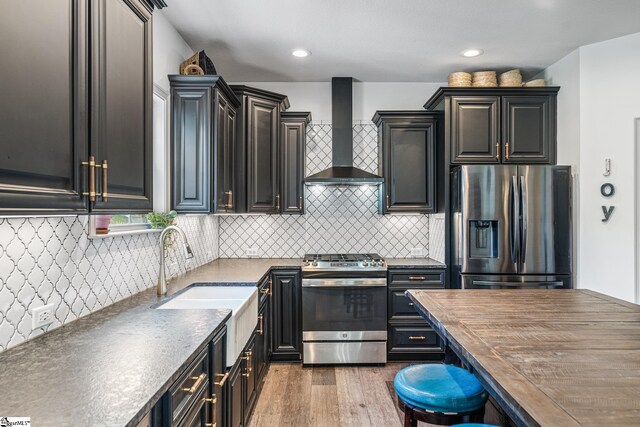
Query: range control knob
(364,264)
(315,263)
(374,264)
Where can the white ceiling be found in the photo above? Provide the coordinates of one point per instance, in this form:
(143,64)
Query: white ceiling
(392,40)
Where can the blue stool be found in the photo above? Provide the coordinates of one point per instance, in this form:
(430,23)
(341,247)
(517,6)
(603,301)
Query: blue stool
(439,394)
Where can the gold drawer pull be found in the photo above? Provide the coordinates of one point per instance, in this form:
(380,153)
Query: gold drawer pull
(265,291)
(213,400)
(418,338)
(222,380)
(416,277)
(260,331)
(497,151)
(195,385)
(506,151)
(410,304)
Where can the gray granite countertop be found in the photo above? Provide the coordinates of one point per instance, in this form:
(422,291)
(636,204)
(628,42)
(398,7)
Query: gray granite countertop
(110,367)
(414,263)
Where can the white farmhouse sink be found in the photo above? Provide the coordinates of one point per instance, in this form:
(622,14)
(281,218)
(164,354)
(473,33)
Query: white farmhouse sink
(241,300)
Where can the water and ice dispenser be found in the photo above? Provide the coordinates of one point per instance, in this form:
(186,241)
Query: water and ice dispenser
(483,238)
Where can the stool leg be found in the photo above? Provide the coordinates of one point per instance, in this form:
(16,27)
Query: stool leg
(408,418)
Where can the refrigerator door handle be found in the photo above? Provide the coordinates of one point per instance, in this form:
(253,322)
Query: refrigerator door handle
(497,284)
(523,221)
(514,204)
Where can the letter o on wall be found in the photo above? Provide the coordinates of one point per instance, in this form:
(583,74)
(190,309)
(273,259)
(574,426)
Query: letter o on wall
(607,190)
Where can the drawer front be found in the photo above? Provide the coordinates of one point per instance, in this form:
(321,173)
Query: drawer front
(433,279)
(199,414)
(401,307)
(184,391)
(404,338)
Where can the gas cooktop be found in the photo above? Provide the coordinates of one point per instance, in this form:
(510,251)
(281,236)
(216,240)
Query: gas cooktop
(343,261)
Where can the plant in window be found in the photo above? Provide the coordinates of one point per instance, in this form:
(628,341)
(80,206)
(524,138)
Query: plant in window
(119,219)
(161,219)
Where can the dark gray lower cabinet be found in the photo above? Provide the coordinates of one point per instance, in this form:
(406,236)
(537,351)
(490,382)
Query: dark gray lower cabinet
(286,341)
(293,138)
(234,396)
(217,354)
(408,143)
(410,337)
(250,389)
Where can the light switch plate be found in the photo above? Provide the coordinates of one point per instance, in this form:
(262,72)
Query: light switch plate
(42,316)
(252,251)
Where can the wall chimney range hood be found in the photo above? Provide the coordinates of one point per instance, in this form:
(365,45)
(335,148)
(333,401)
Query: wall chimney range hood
(342,171)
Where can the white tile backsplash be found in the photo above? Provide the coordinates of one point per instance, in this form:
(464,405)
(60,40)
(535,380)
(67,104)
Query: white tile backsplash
(337,219)
(52,261)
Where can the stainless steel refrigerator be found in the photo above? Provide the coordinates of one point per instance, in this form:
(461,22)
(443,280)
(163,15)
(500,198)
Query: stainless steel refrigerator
(511,226)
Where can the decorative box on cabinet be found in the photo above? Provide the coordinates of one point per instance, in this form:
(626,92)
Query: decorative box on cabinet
(408,150)
(203,143)
(64,152)
(258,129)
(498,125)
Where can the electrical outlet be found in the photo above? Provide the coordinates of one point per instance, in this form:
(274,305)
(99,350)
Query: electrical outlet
(42,316)
(209,254)
(252,251)
(417,251)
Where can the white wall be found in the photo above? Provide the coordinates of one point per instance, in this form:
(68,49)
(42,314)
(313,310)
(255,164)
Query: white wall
(367,97)
(597,106)
(169,50)
(609,103)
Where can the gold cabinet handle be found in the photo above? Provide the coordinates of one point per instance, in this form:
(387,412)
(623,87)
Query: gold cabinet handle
(230,201)
(199,379)
(247,357)
(388,202)
(223,379)
(300,202)
(260,330)
(92,178)
(416,277)
(270,292)
(264,291)
(497,151)
(417,338)
(277,202)
(213,400)
(410,304)
(506,151)
(105,193)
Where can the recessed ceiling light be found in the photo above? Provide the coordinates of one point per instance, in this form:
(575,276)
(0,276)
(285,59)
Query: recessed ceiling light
(470,53)
(300,53)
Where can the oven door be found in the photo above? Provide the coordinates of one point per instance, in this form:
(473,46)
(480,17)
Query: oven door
(344,309)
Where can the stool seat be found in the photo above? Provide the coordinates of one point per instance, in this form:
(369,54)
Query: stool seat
(440,388)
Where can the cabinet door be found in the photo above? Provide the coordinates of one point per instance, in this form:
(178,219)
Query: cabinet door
(292,154)
(262,156)
(260,356)
(528,129)
(474,130)
(198,416)
(249,379)
(121,104)
(287,333)
(234,401)
(43,116)
(191,148)
(410,178)
(225,126)
(218,368)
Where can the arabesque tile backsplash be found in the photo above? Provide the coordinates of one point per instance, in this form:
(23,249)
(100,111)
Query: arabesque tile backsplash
(52,261)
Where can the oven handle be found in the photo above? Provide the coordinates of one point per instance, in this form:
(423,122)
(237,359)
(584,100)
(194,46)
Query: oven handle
(344,283)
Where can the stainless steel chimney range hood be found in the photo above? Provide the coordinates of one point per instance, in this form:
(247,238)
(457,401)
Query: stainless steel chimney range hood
(342,171)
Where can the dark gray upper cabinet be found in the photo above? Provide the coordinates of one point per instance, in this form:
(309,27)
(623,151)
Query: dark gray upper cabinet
(407,149)
(122,103)
(498,125)
(203,140)
(528,127)
(50,132)
(474,129)
(43,113)
(293,132)
(256,164)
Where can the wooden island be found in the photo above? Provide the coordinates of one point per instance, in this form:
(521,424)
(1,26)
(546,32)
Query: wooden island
(548,357)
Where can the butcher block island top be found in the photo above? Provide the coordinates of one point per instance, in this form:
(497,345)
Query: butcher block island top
(549,357)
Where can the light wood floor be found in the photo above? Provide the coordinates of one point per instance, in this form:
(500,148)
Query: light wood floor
(331,396)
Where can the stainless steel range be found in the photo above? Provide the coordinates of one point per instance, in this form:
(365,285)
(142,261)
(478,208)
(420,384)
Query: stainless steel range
(344,309)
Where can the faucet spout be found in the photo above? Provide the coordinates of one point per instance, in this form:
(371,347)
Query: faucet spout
(188,253)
